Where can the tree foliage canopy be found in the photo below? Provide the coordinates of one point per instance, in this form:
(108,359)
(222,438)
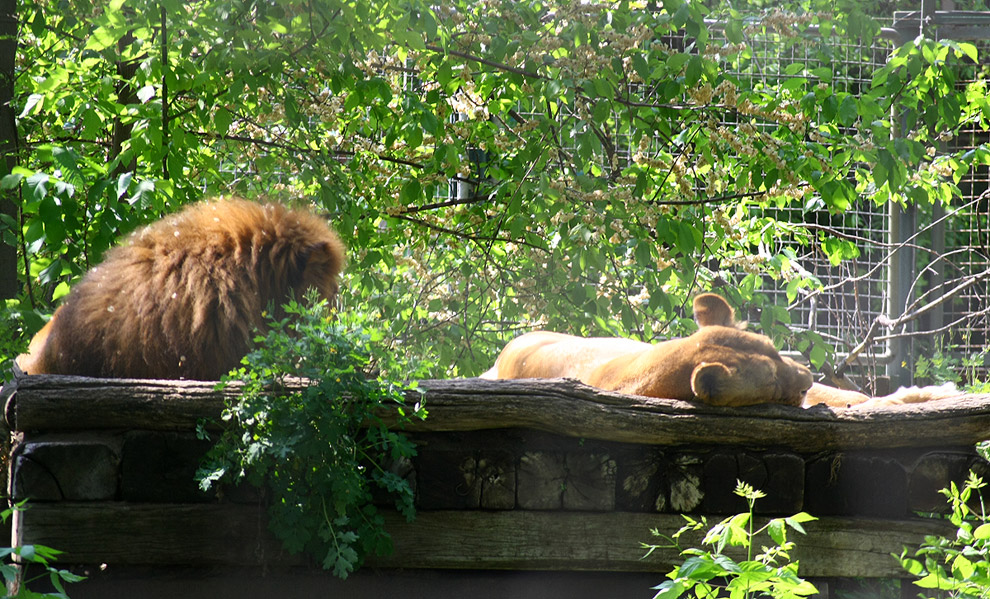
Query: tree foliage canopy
(492,164)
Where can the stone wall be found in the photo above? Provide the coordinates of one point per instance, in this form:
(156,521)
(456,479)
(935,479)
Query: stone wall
(508,477)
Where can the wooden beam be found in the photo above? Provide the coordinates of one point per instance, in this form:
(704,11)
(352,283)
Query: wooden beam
(54,403)
(211,535)
(570,408)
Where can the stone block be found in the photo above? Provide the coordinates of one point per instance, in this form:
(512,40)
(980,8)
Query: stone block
(639,480)
(779,476)
(161,467)
(932,473)
(83,469)
(685,473)
(447,480)
(856,485)
(497,471)
(590,482)
(541,480)
(722,471)
(784,486)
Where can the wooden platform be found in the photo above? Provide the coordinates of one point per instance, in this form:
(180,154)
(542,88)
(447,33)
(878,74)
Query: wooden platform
(548,476)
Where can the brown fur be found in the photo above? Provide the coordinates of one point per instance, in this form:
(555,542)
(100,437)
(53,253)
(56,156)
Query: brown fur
(182,297)
(720,364)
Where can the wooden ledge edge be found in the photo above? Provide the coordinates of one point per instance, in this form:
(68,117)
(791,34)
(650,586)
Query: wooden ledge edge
(559,406)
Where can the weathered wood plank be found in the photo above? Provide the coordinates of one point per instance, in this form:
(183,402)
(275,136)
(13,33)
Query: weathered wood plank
(53,403)
(570,408)
(558,406)
(177,535)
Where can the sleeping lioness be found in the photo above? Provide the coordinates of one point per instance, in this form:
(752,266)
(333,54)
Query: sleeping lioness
(719,364)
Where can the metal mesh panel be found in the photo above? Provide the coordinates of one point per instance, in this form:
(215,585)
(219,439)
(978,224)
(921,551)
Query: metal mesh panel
(967,259)
(856,290)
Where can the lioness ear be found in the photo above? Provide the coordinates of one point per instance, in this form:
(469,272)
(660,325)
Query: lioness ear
(712,310)
(708,380)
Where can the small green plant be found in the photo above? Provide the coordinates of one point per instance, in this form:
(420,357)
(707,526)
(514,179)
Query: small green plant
(711,573)
(959,566)
(310,427)
(16,588)
(945,367)
(941,367)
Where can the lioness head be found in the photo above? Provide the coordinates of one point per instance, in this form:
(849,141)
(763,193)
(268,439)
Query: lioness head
(738,368)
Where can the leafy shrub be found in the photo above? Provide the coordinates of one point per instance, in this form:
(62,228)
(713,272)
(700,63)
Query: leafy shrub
(318,449)
(712,573)
(946,366)
(960,566)
(32,554)
(15,322)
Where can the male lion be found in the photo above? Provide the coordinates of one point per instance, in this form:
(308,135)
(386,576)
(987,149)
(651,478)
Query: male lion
(719,364)
(182,297)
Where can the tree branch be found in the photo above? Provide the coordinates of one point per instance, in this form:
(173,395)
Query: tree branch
(461,235)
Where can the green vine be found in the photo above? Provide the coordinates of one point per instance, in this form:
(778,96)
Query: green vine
(323,448)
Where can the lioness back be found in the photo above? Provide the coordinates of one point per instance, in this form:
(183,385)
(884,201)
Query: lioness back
(547,355)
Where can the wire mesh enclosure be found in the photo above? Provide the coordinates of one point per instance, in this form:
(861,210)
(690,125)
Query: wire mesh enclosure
(947,276)
(856,291)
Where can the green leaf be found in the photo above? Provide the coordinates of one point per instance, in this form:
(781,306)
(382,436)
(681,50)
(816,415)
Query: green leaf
(823,73)
(222,120)
(933,580)
(37,186)
(848,110)
(641,66)
(695,68)
(33,105)
(969,49)
(912,566)
(68,159)
(838,250)
(101,39)
(734,31)
(411,192)
(777,531)
(670,589)
(818,355)
(797,520)
(11,181)
(601,111)
(51,216)
(962,568)
(700,568)
(676,62)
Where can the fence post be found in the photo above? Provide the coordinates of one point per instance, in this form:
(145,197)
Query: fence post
(903,224)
